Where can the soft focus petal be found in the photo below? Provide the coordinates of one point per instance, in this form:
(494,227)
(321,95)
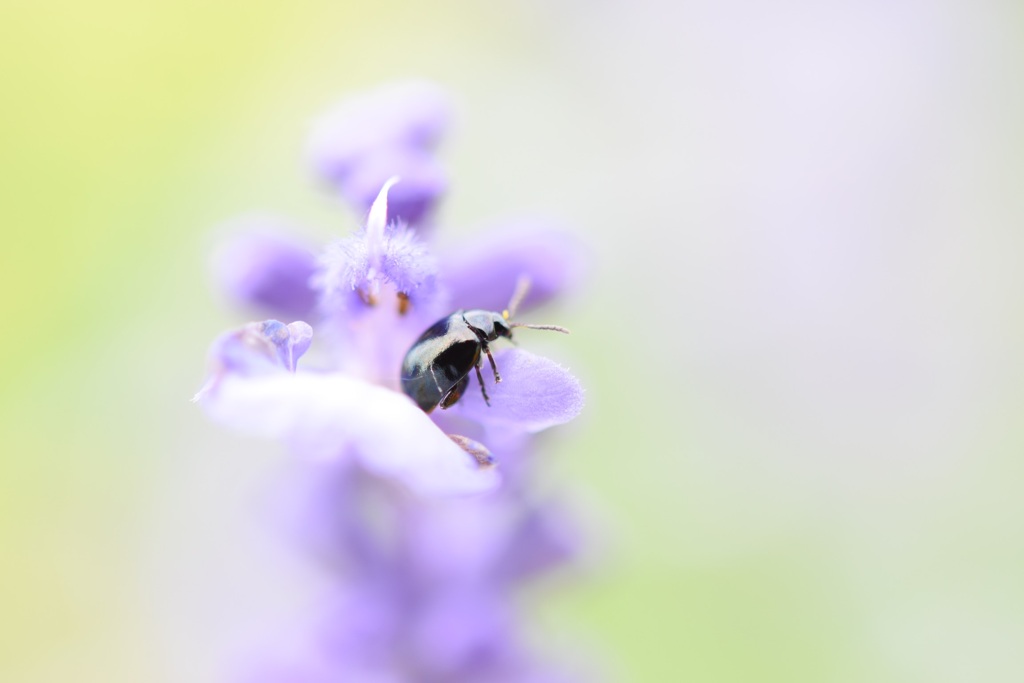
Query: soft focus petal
(247,351)
(261,348)
(300,336)
(463,633)
(409,115)
(423,183)
(499,539)
(290,341)
(266,269)
(331,416)
(535,393)
(483,274)
(544,537)
(391,131)
(317,506)
(459,541)
(516,447)
(366,623)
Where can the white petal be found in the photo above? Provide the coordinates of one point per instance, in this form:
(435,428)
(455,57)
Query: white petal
(332,416)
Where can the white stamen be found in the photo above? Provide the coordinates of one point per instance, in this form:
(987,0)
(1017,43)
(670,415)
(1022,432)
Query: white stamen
(378,218)
(376,221)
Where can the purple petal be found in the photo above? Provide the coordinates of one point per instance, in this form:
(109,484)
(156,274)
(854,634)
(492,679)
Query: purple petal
(543,538)
(261,348)
(413,199)
(462,632)
(317,505)
(300,336)
(484,274)
(267,269)
(366,622)
(251,350)
(535,393)
(290,341)
(457,542)
(410,115)
(332,416)
(499,538)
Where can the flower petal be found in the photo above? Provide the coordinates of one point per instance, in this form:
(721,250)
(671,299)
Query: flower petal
(412,200)
(484,274)
(458,541)
(332,416)
(300,336)
(409,115)
(261,348)
(387,132)
(462,634)
(544,537)
(264,267)
(535,393)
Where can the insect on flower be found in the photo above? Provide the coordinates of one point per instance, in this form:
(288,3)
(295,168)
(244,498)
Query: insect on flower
(436,368)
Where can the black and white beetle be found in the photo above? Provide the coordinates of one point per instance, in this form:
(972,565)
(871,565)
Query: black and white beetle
(435,371)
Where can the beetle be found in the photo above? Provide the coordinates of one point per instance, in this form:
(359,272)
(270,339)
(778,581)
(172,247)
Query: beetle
(435,371)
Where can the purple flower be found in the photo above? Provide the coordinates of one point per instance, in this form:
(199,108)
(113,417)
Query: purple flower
(377,289)
(425,566)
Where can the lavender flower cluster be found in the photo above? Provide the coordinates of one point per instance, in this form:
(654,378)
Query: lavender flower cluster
(428,521)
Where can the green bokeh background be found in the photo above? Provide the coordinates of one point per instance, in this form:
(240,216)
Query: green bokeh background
(129,545)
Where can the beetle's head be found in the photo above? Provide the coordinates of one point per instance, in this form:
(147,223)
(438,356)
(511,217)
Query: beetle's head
(488,323)
(502,327)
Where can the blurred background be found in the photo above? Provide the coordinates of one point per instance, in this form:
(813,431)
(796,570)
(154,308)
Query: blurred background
(801,459)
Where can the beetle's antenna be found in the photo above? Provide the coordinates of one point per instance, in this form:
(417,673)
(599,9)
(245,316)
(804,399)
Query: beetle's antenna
(522,287)
(556,328)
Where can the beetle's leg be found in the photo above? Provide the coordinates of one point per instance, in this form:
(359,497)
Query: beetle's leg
(480,378)
(455,394)
(487,350)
